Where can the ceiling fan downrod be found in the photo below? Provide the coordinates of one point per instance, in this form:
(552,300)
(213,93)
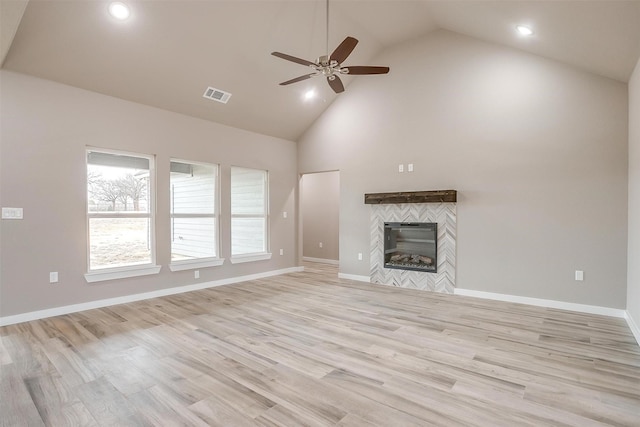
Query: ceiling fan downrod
(327,32)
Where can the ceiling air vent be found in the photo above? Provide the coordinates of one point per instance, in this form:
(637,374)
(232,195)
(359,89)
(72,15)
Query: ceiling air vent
(216,95)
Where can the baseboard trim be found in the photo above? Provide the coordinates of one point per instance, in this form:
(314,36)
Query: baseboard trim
(354,277)
(74,308)
(583,308)
(321,260)
(635,330)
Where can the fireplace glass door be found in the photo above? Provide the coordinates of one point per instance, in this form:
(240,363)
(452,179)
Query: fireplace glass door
(411,246)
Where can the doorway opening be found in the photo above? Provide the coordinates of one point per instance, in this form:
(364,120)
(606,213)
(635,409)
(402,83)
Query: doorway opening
(320,218)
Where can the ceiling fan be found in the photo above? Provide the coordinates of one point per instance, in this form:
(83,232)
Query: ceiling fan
(331,65)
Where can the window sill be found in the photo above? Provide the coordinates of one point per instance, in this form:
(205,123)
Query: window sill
(195,263)
(238,259)
(121,273)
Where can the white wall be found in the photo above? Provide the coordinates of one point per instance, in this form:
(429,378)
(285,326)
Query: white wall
(633,272)
(45,128)
(320,211)
(536,149)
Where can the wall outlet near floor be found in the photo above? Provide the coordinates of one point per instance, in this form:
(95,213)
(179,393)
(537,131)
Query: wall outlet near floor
(579,275)
(320,244)
(359,256)
(284,214)
(196,274)
(53,277)
(281,251)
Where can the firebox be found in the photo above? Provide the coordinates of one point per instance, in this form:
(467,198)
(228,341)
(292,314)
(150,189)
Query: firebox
(411,246)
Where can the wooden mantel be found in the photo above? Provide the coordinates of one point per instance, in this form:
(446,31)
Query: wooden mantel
(439,196)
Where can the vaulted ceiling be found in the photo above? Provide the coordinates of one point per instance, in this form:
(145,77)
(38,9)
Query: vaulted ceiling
(168,52)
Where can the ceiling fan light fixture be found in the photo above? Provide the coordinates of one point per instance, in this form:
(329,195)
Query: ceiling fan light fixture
(309,95)
(523,30)
(119,10)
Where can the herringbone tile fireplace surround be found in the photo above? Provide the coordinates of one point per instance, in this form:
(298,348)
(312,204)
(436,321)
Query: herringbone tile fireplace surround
(442,213)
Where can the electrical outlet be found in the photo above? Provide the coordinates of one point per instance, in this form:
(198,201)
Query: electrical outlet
(400,168)
(359,256)
(284,214)
(579,275)
(320,244)
(53,277)
(281,251)
(410,167)
(196,274)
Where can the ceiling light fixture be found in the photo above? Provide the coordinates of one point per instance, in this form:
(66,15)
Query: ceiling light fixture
(119,10)
(309,95)
(524,31)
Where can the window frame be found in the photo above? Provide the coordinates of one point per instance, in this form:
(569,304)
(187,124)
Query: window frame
(255,256)
(134,270)
(203,262)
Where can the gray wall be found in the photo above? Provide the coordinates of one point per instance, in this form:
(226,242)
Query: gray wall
(633,279)
(45,128)
(536,149)
(320,209)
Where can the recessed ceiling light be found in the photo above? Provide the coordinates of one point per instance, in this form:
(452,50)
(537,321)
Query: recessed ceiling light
(119,10)
(525,31)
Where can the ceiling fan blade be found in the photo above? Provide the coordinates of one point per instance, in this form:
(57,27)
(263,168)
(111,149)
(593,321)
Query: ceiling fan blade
(344,49)
(336,84)
(361,70)
(297,79)
(292,58)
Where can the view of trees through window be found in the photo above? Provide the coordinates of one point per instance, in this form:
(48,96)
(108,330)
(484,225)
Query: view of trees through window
(123,193)
(120,211)
(118,197)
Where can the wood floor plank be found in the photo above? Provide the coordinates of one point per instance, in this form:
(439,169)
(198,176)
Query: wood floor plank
(587,403)
(5,357)
(230,394)
(310,349)
(16,406)
(105,403)
(160,407)
(327,393)
(49,394)
(73,414)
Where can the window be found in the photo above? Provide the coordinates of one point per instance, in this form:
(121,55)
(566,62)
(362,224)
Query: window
(194,219)
(120,215)
(249,215)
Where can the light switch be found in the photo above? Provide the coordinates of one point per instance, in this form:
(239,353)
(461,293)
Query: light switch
(284,214)
(401,168)
(410,167)
(11,213)
(579,275)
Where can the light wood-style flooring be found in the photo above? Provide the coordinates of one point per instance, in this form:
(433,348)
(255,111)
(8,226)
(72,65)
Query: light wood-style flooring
(309,349)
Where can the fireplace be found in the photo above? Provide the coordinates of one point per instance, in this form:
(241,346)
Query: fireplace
(411,246)
(412,207)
